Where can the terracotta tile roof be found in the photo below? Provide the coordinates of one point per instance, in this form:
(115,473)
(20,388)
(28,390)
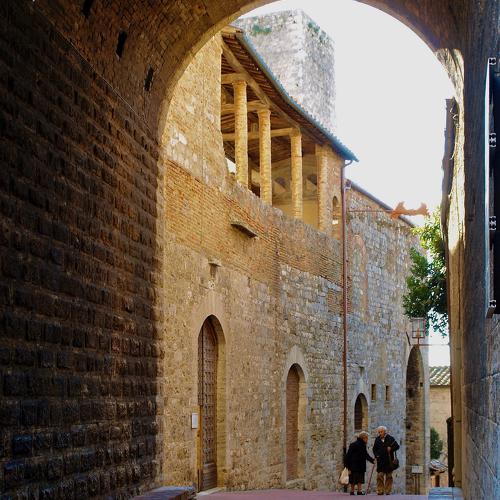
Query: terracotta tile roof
(439,375)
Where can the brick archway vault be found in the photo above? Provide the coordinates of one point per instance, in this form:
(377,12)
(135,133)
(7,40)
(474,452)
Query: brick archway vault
(161,39)
(83,90)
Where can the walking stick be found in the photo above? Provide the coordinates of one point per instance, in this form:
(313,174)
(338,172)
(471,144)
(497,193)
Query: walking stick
(370,479)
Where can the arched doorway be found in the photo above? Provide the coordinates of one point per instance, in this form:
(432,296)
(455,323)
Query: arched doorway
(415,421)
(295,423)
(207,401)
(360,414)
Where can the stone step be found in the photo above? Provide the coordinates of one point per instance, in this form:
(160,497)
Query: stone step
(446,494)
(169,493)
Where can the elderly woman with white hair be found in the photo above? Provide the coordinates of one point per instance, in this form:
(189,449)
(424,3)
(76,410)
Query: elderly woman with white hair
(384,448)
(355,461)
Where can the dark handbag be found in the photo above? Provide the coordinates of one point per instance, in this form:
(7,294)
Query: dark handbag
(395,462)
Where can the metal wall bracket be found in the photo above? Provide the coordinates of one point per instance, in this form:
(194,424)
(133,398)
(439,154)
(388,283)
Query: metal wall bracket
(492,140)
(492,225)
(492,306)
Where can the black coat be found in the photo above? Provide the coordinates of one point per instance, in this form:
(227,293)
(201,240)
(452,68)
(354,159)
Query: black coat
(384,459)
(356,457)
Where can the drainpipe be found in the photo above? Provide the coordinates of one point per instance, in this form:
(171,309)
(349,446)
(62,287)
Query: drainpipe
(344,297)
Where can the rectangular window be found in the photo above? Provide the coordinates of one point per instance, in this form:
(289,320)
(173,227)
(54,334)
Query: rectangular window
(387,393)
(374,392)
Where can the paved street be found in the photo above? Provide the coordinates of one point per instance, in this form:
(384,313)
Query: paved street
(298,495)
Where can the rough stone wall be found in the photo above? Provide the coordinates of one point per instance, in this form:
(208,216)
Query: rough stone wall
(416,435)
(480,341)
(192,136)
(378,249)
(474,339)
(79,350)
(440,411)
(300,55)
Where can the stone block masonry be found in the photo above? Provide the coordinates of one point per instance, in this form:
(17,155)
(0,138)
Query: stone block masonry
(80,351)
(378,349)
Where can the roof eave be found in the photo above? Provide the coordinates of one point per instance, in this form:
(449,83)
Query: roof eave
(336,144)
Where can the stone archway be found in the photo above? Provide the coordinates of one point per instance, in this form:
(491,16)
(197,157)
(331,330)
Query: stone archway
(64,59)
(415,422)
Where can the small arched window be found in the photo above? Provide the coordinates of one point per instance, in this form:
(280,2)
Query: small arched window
(360,413)
(336,218)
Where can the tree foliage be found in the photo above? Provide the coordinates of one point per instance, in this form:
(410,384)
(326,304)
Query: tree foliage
(436,444)
(426,284)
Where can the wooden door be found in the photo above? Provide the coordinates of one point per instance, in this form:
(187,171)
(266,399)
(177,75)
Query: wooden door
(207,394)
(292,423)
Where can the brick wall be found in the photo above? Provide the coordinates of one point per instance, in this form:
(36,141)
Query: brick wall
(271,295)
(100,277)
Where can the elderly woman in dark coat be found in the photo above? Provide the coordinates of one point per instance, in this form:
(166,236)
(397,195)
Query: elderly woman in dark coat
(355,461)
(384,448)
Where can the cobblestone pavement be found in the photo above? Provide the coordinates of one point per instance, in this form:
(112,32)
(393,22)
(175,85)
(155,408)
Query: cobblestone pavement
(299,495)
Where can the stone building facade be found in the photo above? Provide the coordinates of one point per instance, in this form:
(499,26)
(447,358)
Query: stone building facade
(267,299)
(85,377)
(301,56)
(292,316)
(440,410)
(386,368)
(248,315)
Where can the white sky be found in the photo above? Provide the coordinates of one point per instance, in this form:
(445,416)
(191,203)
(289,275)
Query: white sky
(391,93)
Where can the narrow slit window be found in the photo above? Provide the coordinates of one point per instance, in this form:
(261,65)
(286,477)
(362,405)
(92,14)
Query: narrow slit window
(122,37)
(387,393)
(87,7)
(374,392)
(148,82)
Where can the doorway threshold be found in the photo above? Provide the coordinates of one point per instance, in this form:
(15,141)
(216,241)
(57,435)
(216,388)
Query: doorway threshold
(210,491)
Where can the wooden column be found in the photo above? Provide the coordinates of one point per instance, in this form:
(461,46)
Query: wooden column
(266,179)
(296,161)
(322,175)
(241,131)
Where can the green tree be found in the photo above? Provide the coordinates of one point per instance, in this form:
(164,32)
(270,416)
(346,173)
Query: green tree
(436,444)
(426,284)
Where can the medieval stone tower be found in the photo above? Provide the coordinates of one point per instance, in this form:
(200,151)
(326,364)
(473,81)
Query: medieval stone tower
(301,56)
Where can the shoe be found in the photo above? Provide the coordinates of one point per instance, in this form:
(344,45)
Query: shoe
(360,493)
(352,493)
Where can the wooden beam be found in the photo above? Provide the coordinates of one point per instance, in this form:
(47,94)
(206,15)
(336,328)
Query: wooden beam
(228,109)
(240,70)
(277,188)
(252,136)
(229,78)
